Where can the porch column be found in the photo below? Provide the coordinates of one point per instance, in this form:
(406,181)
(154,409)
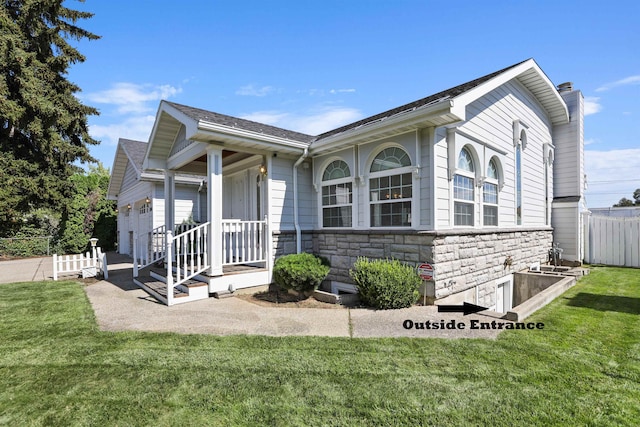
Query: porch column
(214,208)
(169,199)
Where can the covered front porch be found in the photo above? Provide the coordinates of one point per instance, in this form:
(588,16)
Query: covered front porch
(232,247)
(230,251)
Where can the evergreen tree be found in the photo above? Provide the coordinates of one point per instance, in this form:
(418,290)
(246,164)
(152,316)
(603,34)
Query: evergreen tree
(43,125)
(90,214)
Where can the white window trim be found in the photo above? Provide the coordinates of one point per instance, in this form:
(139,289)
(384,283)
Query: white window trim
(322,184)
(468,174)
(496,182)
(347,180)
(389,173)
(473,203)
(415,187)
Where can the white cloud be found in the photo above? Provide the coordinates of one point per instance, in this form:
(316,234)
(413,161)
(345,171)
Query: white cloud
(313,123)
(133,98)
(250,90)
(334,91)
(592,105)
(631,80)
(611,175)
(137,128)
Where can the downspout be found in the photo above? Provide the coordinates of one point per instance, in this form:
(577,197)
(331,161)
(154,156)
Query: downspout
(295,200)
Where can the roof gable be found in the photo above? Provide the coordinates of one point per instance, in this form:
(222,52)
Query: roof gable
(128,151)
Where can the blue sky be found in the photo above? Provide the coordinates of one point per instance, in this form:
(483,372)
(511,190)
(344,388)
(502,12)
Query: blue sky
(312,66)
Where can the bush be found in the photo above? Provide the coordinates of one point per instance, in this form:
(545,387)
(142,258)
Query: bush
(301,272)
(386,284)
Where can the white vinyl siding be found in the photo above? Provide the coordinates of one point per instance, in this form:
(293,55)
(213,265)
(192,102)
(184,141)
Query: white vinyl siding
(492,121)
(442,181)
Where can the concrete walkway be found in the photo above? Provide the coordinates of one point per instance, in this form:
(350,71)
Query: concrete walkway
(120,305)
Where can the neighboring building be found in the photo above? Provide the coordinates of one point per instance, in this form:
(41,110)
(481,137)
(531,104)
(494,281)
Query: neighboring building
(469,180)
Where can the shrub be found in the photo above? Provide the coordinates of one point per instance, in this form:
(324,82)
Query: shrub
(301,272)
(386,284)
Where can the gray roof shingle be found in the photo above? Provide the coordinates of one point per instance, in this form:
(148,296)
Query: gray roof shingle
(135,150)
(236,122)
(445,94)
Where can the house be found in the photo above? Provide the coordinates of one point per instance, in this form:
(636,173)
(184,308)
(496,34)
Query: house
(479,181)
(140,197)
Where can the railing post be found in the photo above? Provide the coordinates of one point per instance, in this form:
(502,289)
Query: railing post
(267,244)
(135,254)
(169,258)
(55,266)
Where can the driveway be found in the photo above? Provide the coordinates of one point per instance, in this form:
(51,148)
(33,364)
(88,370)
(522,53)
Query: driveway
(26,270)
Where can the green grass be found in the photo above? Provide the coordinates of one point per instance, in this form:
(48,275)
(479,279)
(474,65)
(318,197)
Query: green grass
(57,368)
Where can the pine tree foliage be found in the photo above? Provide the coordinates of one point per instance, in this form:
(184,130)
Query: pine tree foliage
(43,125)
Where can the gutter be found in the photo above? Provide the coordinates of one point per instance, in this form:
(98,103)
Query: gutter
(305,154)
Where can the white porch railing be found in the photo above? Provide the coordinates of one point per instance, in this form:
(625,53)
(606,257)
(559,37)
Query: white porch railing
(244,242)
(187,252)
(149,247)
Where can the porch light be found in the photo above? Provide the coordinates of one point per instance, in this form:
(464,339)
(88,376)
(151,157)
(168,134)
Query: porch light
(147,200)
(263,169)
(116,211)
(129,206)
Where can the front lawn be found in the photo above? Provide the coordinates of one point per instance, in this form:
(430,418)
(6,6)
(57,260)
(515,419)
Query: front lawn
(583,368)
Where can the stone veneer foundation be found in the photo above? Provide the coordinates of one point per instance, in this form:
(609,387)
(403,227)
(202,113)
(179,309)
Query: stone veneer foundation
(463,259)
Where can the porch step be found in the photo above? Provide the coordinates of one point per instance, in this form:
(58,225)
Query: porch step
(153,280)
(157,288)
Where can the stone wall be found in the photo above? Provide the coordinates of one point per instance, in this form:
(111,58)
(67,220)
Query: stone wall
(462,259)
(284,242)
(466,260)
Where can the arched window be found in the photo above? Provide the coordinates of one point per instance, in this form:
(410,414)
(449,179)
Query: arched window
(390,189)
(463,190)
(490,195)
(337,195)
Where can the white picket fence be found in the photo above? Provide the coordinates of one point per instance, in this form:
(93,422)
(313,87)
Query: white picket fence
(87,265)
(613,241)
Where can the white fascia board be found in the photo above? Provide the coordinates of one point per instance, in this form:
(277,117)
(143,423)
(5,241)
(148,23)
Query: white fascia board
(268,141)
(154,164)
(117,175)
(155,177)
(417,116)
(469,96)
(189,154)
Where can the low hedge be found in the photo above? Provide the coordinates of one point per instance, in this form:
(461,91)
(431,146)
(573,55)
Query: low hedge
(301,272)
(386,284)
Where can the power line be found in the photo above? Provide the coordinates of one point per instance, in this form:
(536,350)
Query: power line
(613,181)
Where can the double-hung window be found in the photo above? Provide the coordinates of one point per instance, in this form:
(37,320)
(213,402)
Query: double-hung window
(463,190)
(490,195)
(390,189)
(337,195)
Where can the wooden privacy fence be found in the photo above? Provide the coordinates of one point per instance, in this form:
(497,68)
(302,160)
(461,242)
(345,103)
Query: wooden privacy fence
(85,264)
(613,241)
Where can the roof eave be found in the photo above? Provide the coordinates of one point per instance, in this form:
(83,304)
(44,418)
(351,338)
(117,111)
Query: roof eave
(214,132)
